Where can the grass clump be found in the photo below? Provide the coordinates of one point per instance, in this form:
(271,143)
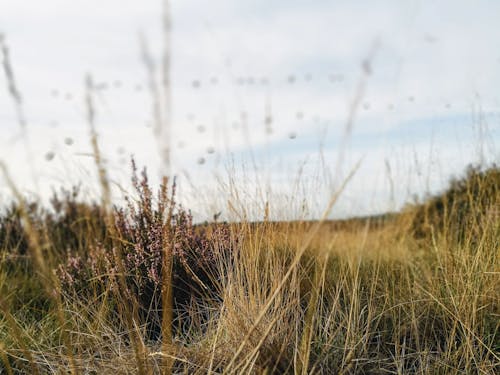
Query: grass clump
(469,203)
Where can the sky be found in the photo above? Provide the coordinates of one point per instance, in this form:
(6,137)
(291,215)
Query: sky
(271,101)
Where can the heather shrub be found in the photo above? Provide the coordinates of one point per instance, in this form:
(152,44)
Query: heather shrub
(148,229)
(12,235)
(74,224)
(67,223)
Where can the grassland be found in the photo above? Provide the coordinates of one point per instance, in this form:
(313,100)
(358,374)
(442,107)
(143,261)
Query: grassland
(86,288)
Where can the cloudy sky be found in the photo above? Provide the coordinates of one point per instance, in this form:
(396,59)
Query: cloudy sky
(262,94)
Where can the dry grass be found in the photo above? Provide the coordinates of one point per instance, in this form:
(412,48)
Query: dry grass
(364,296)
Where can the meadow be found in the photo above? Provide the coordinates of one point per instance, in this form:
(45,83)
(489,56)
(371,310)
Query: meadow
(94,289)
(139,287)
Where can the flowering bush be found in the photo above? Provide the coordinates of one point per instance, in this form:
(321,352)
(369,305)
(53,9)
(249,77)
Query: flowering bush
(146,231)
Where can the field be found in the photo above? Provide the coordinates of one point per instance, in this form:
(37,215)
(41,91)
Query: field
(138,286)
(90,288)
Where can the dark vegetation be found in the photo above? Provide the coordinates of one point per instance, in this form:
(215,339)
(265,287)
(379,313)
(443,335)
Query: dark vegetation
(463,208)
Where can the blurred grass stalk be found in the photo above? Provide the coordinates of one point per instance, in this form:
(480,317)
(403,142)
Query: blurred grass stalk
(159,83)
(128,304)
(164,140)
(17,100)
(40,249)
